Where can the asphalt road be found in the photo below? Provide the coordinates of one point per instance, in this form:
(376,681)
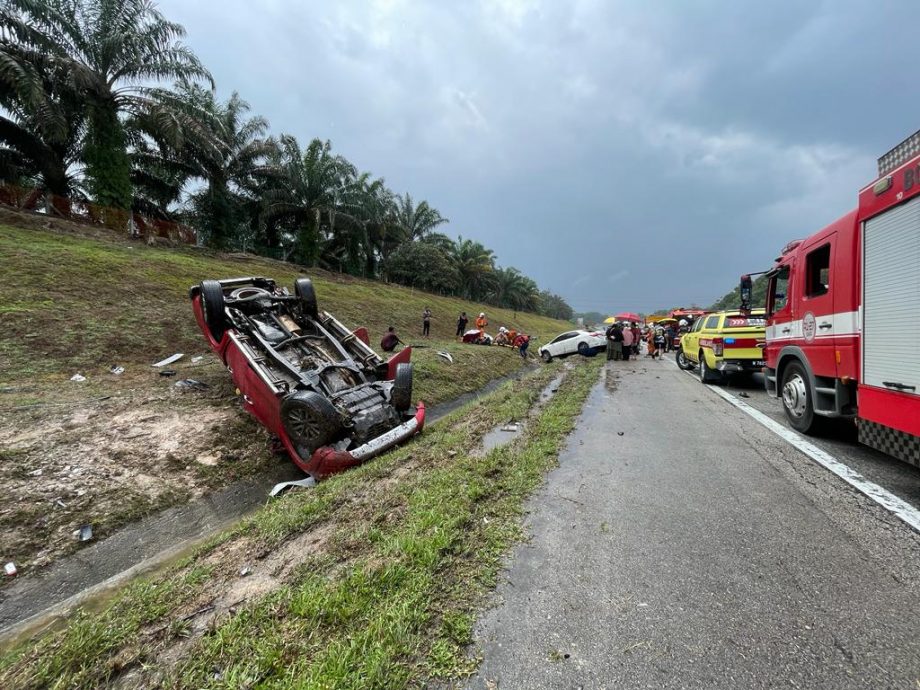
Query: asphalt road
(680,544)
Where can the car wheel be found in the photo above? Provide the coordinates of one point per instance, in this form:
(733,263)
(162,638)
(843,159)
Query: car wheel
(682,361)
(309,419)
(707,375)
(401,393)
(546,356)
(303,288)
(212,305)
(797,402)
(583,349)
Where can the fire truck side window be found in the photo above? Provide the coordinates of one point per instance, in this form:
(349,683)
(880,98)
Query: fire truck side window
(817,271)
(779,293)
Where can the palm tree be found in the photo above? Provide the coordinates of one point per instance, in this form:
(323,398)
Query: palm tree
(307,190)
(511,288)
(475,264)
(416,221)
(228,151)
(110,52)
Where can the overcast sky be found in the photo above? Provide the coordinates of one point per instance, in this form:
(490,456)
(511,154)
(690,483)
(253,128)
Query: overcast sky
(627,155)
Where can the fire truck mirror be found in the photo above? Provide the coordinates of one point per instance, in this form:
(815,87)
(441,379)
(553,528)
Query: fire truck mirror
(747,290)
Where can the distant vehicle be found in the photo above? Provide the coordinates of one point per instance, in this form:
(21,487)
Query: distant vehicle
(724,343)
(586,343)
(842,306)
(319,387)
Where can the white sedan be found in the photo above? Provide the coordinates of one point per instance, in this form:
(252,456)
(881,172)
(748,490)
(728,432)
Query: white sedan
(587,343)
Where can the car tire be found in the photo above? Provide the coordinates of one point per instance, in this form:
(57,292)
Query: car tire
(797,401)
(682,361)
(309,420)
(303,288)
(401,393)
(584,350)
(707,375)
(212,306)
(546,356)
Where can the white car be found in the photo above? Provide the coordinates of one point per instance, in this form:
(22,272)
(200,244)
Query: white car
(587,343)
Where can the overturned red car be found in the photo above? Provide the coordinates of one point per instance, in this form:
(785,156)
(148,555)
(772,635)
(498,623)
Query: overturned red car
(319,387)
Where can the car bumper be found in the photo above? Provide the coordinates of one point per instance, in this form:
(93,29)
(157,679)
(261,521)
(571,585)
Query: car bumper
(738,366)
(327,461)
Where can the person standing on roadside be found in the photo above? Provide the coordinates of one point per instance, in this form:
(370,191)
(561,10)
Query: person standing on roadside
(614,342)
(481,324)
(426,322)
(637,337)
(461,324)
(627,342)
(669,338)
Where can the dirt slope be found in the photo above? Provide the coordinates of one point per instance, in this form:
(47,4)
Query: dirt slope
(114,447)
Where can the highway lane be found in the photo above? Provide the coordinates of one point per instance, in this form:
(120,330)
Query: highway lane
(837,438)
(681,544)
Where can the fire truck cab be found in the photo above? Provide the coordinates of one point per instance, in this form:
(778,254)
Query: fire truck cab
(843,333)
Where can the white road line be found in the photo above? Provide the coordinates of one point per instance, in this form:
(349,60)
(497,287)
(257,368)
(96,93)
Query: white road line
(901,509)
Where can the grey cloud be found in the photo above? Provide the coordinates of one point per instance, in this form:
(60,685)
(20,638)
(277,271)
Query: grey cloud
(683,142)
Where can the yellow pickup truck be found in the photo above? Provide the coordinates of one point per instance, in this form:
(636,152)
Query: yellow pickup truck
(724,343)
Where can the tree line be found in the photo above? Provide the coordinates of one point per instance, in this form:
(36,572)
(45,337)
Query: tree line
(85,116)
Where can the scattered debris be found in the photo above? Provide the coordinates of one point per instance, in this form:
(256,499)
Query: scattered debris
(620,433)
(513,427)
(168,372)
(10,569)
(169,360)
(446,355)
(284,486)
(78,377)
(191,383)
(59,502)
(85,533)
(117,370)
(197,359)
(36,473)
(742,394)
(245,570)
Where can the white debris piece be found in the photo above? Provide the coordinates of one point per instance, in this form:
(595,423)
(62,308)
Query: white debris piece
(446,355)
(78,377)
(10,569)
(117,370)
(169,360)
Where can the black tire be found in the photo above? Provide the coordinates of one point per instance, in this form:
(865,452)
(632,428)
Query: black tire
(309,420)
(303,288)
(546,356)
(583,349)
(795,393)
(212,304)
(707,375)
(682,361)
(401,393)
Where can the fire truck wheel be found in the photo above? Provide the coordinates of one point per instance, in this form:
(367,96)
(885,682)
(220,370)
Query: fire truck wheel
(682,360)
(707,375)
(797,401)
(212,304)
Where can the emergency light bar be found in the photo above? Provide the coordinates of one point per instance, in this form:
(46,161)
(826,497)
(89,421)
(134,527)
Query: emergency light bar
(900,154)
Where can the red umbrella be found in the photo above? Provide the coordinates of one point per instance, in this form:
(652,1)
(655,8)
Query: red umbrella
(628,316)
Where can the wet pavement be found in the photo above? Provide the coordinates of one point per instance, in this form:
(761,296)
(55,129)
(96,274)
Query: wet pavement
(680,544)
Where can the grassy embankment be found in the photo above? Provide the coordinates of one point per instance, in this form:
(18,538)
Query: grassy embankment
(372,579)
(113,448)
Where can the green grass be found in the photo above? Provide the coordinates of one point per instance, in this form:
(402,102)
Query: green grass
(76,303)
(415,539)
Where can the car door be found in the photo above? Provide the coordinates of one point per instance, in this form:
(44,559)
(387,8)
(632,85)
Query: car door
(690,342)
(556,346)
(568,345)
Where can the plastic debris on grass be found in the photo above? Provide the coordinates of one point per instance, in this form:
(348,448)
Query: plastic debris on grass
(117,370)
(10,569)
(78,377)
(169,360)
(446,355)
(191,383)
(306,483)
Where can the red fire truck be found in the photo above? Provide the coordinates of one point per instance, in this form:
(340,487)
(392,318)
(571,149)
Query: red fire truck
(843,315)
